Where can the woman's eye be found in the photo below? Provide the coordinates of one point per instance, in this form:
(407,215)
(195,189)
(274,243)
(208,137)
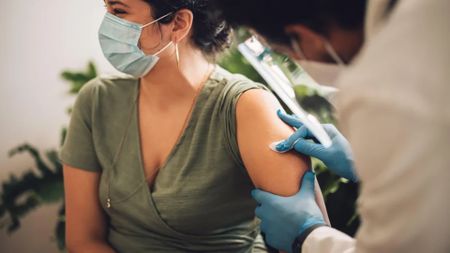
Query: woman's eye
(118,11)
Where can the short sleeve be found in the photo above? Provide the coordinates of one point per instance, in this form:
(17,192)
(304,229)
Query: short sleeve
(78,149)
(232,92)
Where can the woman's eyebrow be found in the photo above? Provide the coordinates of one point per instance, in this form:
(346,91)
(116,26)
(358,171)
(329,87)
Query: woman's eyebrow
(112,2)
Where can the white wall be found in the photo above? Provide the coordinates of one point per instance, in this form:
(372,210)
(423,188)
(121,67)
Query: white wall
(38,40)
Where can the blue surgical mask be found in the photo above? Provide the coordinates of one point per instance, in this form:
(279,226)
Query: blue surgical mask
(119,40)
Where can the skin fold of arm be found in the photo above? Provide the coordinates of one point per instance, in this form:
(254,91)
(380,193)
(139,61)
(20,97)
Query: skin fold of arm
(257,127)
(85,220)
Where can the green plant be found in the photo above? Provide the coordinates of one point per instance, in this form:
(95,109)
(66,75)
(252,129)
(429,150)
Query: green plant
(78,79)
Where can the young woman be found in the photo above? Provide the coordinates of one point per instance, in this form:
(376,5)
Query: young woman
(164,160)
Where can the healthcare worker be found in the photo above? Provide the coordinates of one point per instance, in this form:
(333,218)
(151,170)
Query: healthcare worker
(393,106)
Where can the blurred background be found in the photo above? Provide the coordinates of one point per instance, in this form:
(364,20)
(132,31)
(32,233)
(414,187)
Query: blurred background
(39,40)
(48,50)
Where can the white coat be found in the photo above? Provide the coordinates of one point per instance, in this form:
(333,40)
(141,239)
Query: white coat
(394,107)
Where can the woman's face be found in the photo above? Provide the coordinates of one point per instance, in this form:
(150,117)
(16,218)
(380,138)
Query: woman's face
(154,36)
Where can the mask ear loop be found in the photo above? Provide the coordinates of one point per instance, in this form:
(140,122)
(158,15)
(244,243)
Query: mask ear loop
(297,48)
(164,48)
(160,39)
(159,28)
(156,20)
(333,54)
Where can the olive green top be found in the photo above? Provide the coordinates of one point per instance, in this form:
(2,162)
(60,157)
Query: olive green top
(200,200)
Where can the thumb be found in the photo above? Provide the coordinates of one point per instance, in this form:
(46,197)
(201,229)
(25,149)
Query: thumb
(308,182)
(289,143)
(289,119)
(262,197)
(309,148)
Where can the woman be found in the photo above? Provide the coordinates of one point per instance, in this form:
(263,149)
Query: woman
(164,161)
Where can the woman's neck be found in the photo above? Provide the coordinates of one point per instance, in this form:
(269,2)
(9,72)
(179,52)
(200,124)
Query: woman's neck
(167,82)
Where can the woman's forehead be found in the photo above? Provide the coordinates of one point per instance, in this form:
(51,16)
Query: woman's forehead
(124,3)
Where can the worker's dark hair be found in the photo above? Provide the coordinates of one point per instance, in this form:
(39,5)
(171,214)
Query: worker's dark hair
(270,17)
(210,33)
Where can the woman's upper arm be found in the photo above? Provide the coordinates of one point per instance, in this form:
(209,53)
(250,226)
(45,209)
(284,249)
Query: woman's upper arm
(85,220)
(257,127)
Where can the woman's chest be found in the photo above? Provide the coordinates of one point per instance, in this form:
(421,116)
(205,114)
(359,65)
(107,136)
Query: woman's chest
(158,133)
(199,188)
(196,192)
(198,181)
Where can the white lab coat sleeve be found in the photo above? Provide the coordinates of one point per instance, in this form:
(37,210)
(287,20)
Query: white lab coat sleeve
(394,109)
(403,162)
(326,239)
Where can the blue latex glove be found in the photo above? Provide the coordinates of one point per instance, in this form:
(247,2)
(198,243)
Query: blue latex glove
(285,218)
(338,157)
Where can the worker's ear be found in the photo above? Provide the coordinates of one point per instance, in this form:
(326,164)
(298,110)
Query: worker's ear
(310,42)
(182,25)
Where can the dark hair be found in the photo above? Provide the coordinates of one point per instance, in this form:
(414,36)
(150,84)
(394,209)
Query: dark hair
(270,17)
(210,33)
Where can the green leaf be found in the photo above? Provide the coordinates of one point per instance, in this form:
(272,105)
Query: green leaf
(78,79)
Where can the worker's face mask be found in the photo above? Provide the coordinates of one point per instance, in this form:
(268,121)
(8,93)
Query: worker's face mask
(323,73)
(119,40)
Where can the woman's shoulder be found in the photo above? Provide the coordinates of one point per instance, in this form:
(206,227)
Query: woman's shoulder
(234,79)
(109,85)
(106,94)
(233,85)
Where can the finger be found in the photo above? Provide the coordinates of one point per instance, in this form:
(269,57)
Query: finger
(309,148)
(288,144)
(310,135)
(331,130)
(258,212)
(263,228)
(307,134)
(261,196)
(308,183)
(289,119)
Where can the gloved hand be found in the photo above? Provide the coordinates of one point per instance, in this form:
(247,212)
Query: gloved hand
(283,219)
(338,157)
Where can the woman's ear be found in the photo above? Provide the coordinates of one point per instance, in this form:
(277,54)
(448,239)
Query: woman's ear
(182,24)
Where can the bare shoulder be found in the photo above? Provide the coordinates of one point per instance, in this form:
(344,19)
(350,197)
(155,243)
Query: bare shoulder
(257,127)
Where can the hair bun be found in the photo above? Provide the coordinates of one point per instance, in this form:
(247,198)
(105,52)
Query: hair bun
(210,32)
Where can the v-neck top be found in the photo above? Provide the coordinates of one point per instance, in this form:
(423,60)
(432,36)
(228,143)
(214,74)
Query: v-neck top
(200,199)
